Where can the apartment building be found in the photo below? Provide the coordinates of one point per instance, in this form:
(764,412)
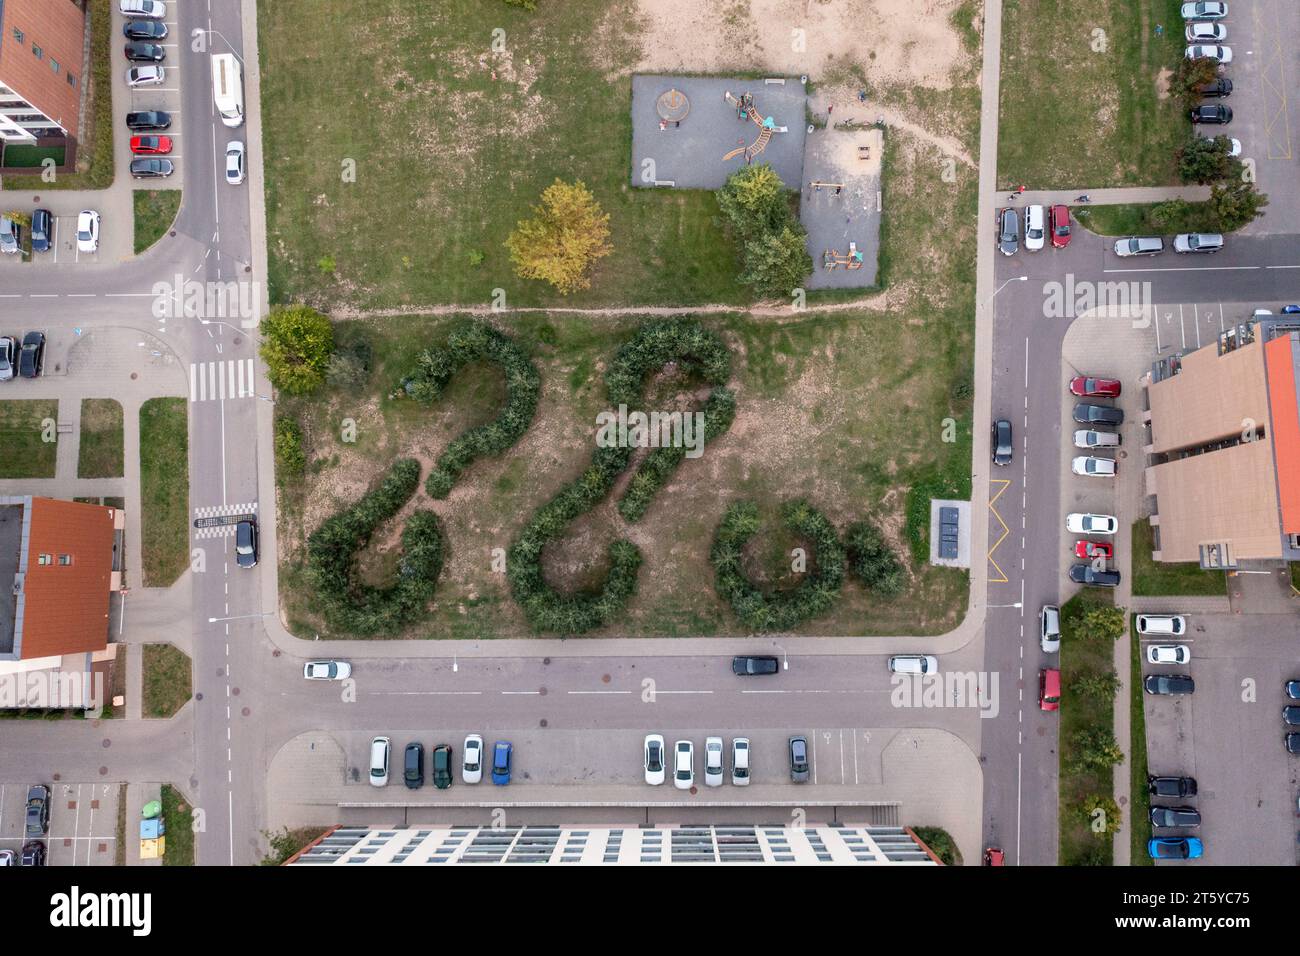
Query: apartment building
(42,44)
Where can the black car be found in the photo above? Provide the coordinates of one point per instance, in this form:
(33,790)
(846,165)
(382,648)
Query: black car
(442,766)
(749,666)
(1085,413)
(149,119)
(151,168)
(38,811)
(145,30)
(799,771)
(33,854)
(1168,685)
(1001,442)
(31,361)
(1087,574)
(1212,113)
(1291,716)
(1220,87)
(1171,786)
(413,766)
(1166,817)
(145,53)
(42,223)
(246,543)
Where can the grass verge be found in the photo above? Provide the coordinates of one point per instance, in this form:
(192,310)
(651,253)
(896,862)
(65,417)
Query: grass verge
(24,426)
(155,211)
(286,843)
(178,819)
(1152,578)
(100,452)
(1137,219)
(119,851)
(167,680)
(1139,799)
(164,490)
(941,843)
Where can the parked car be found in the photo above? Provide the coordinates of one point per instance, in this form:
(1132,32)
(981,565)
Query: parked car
(1168,654)
(995,856)
(1292,742)
(1049,628)
(88,231)
(234,163)
(1168,817)
(1002,442)
(799,769)
(327,670)
(138,52)
(31,360)
(1049,689)
(1008,232)
(1085,386)
(1168,685)
(1090,550)
(1087,438)
(1292,689)
(1209,242)
(1139,246)
(153,9)
(913,664)
(33,853)
(149,75)
(1291,715)
(1211,114)
(8,858)
(1087,574)
(1035,231)
(1205,31)
(148,119)
(151,168)
(38,811)
(654,759)
(471,762)
(1216,52)
(1220,87)
(503,752)
(413,766)
(246,543)
(740,762)
(42,229)
(1208,10)
(1059,219)
(1086,413)
(1094,467)
(8,356)
(683,765)
(11,236)
(150,145)
(442,766)
(1164,625)
(713,771)
(144,30)
(1175,848)
(748,666)
(1171,786)
(1077,523)
(379,748)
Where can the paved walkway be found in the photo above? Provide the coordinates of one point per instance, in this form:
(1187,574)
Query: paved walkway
(1097,197)
(133,655)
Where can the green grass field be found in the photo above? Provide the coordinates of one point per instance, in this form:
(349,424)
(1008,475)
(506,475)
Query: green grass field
(155,211)
(178,817)
(164,490)
(1160,579)
(1136,219)
(167,680)
(25,424)
(1082,94)
(100,452)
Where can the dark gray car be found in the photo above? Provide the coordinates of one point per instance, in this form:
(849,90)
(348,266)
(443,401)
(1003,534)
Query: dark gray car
(1001,442)
(1087,574)
(1166,817)
(1169,685)
(1085,413)
(246,544)
(799,770)
(1008,232)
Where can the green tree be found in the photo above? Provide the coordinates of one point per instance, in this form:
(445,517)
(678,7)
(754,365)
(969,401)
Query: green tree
(20,217)
(753,200)
(872,561)
(1100,686)
(777,263)
(297,342)
(1236,203)
(568,232)
(1096,750)
(1189,76)
(1100,813)
(1101,623)
(1203,160)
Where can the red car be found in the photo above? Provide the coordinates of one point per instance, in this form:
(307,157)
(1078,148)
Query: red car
(1093,549)
(1049,689)
(1086,387)
(1059,221)
(151,144)
(994,856)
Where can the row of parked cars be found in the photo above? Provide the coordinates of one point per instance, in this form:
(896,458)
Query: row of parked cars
(42,232)
(27,361)
(36,830)
(1040,223)
(655,761)
(145,54)
(441,763)
(1206,33)
(1181,816)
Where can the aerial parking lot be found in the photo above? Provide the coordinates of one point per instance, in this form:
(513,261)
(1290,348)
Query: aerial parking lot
(82,825)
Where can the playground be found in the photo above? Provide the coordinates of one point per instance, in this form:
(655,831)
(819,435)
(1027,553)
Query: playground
(691,132)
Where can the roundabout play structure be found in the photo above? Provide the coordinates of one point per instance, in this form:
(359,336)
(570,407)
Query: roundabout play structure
(673,106)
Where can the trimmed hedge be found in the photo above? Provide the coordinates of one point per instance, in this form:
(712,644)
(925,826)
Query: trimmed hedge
(872,561)
(349,605)
(474,342)
(783,611)
(700,353)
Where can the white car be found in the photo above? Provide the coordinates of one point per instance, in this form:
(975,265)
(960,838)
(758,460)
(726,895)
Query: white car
(1085,438)
(149,9)
(1076,523)
(234,162)
(1205,31)
(740,762)
(147,75)
(1169,654)
(655,759)
(1204,10)
(471,763)
(1168,625)
(1211,51)
(379,748)
(87,231)
(683,765)
(713,761)
(1035,231)
(327,670)
(1049,628)
(913,664)
(1093,467)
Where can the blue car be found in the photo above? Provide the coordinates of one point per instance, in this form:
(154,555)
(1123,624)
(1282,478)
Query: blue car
(1290,309)
(1175,848)
(501,753)
(41,225)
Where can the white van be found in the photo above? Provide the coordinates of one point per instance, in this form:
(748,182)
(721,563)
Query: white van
(1165,625)
(914,664)
(228,88)
(379,762)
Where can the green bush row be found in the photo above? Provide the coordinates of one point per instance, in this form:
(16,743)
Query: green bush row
(872,561)
(782,611)
(475,342)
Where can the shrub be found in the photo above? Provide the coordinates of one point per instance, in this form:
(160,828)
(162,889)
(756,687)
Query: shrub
(1105,823)
(290,461)
(1204,160)
(354,607)
(872,561)
(753,200)
(474,342)
(297,342)
(1236,203)
(349,366)
(568,233)
(777,612)
(777,263)
(1188,75)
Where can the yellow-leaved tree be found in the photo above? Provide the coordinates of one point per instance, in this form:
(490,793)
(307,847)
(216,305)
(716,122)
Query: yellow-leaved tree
(568,232)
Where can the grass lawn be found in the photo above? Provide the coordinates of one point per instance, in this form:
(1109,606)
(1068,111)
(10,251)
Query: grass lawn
(1139,799)
(119,851)
(22,154)
(118,687)
(24,426)
(1082,95)
(1295,576)
(1135,219)
(941,843)
(178,820)
(167,680)
(100,453)
(1082,713)
(1160,579)
(164,490)
(288,842)
(155,210)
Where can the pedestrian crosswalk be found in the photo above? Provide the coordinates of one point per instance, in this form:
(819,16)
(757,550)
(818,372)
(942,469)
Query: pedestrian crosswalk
(221,511)
(217,381)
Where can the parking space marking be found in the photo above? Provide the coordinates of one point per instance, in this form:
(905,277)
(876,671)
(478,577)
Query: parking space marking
(1272,72)
(1194,269)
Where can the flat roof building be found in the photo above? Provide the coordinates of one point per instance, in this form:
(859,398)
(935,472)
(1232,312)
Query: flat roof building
(42,47)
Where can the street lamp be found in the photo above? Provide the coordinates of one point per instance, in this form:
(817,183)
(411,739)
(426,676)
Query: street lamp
(1018,604)
(1003,286)
(785,658)
(197,30)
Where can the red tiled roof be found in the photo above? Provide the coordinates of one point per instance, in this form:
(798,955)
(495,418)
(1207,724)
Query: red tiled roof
(1286,428)
(65,609)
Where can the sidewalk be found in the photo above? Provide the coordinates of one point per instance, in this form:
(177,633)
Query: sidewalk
(1097,197)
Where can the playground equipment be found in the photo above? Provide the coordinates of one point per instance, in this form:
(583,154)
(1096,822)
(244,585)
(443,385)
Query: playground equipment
(744,107)
(818,186)
(851,260)
(672,107)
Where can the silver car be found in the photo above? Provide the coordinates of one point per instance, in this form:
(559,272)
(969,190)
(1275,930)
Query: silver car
(327,670)
(8,349)
(1204,10)
(740,762)
(683,765)
(10,236)
(713,761)
(1139,246)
